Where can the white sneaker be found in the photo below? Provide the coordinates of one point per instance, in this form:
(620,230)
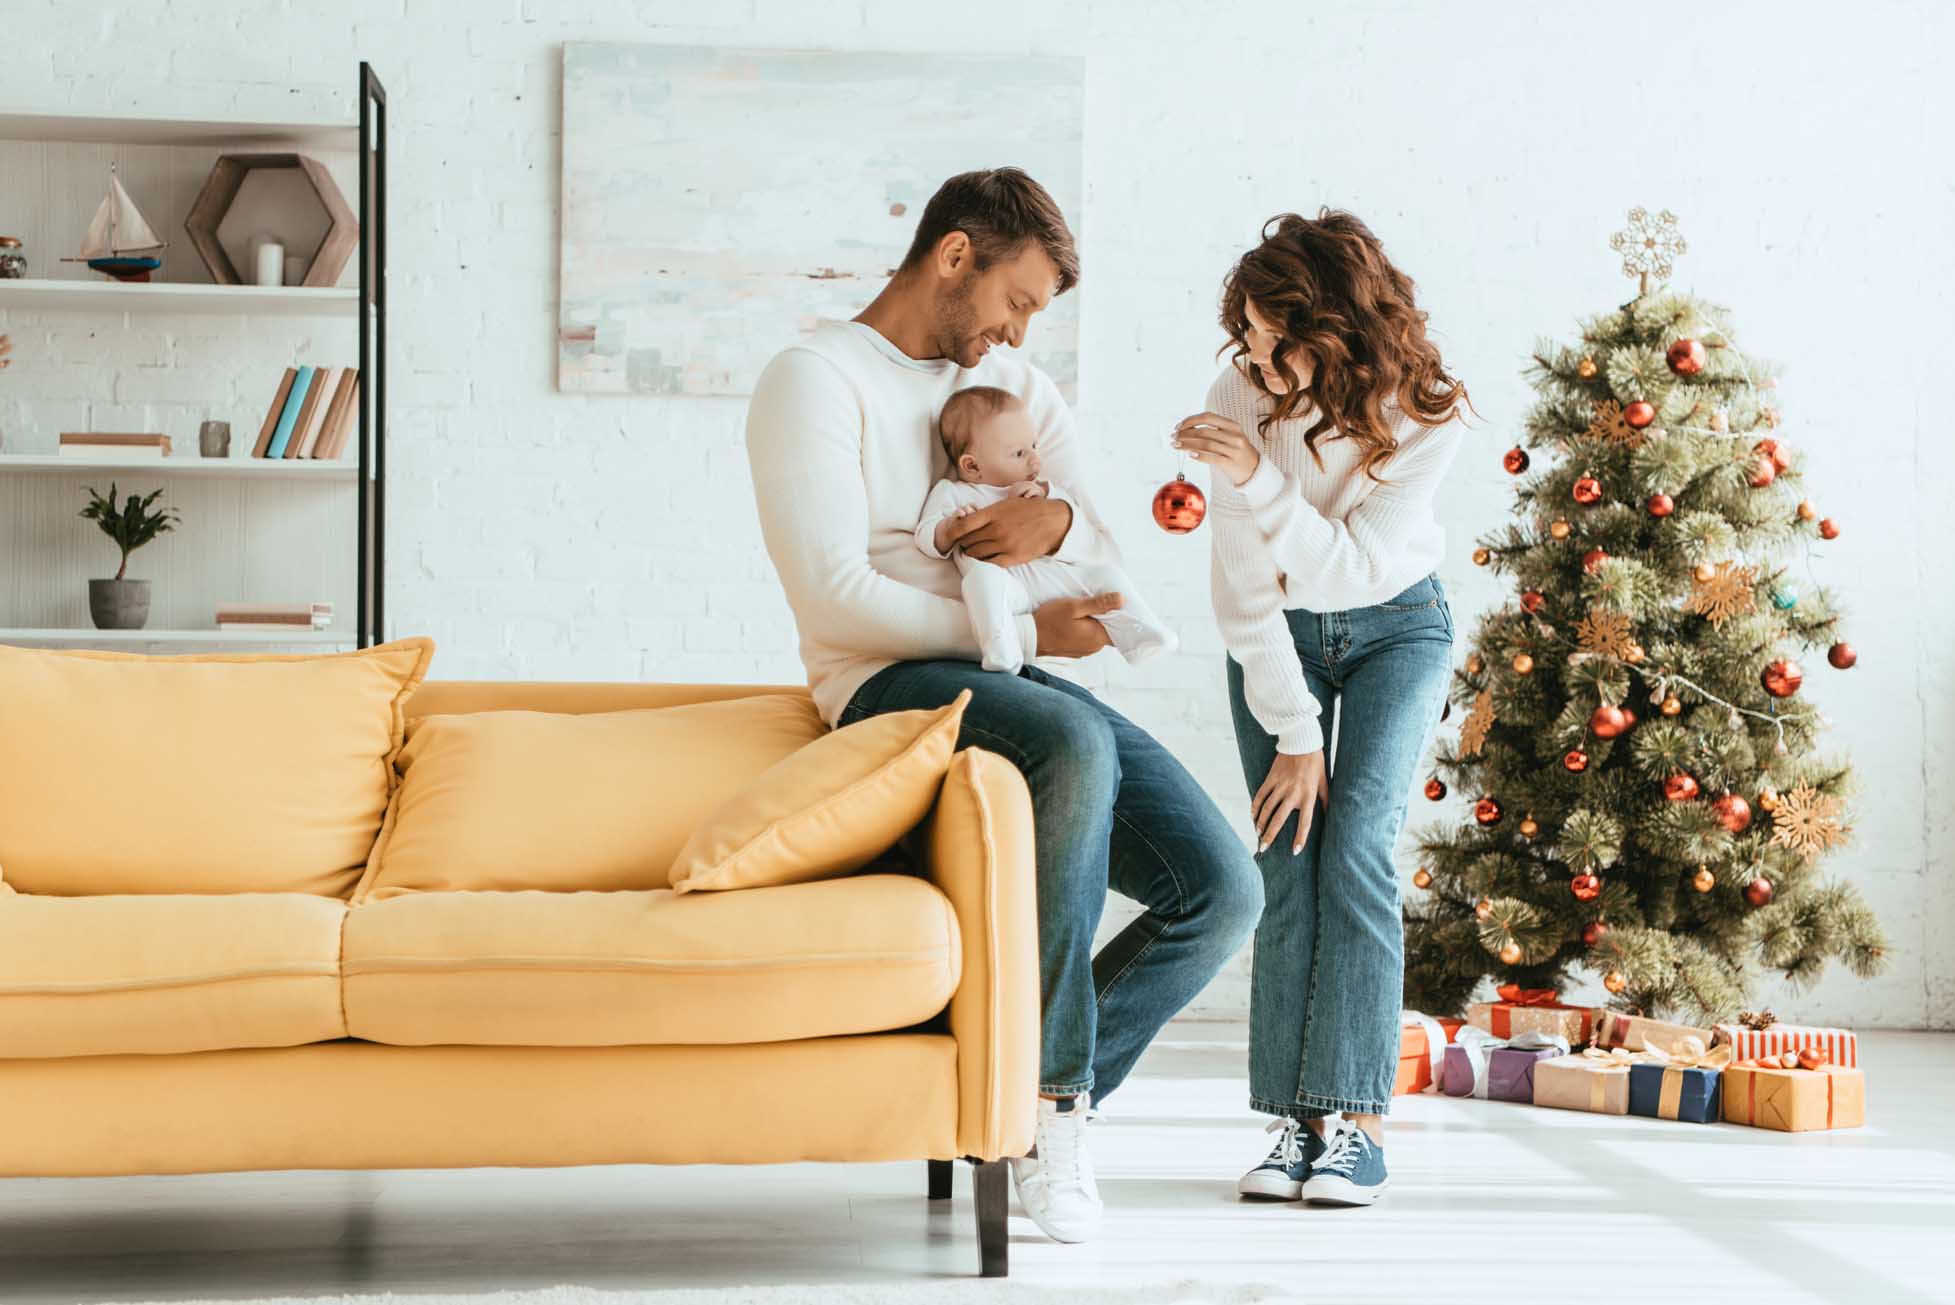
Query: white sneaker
(1055,1182)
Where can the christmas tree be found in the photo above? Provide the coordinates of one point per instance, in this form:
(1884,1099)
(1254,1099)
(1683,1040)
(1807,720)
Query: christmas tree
(1651,803)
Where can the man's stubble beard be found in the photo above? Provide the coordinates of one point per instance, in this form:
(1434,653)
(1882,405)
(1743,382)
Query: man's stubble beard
(957,323)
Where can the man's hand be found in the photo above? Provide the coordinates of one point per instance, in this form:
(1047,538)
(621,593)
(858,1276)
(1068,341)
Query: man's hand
(1296,782)
(1012,531)
(1067,628)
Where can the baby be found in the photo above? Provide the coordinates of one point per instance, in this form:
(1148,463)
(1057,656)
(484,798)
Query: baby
(989,437)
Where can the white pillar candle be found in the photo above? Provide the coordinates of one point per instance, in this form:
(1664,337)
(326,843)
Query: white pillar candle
(271,263)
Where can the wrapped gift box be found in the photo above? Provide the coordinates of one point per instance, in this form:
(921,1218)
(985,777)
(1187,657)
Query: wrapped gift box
(1481,1065)
(1747,1043)
(1636,1032)
(1532,1010)
(1596,1081)
(1795,1100)
(1681,1085)
(1422,1043)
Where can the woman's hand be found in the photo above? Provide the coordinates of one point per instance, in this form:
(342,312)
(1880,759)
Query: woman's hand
(1219,442)
(1296,783)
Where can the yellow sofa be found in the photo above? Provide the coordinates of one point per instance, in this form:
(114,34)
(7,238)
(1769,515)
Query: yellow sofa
(163,1032)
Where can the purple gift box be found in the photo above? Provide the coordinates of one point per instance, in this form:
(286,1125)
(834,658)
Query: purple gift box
(1487,1067)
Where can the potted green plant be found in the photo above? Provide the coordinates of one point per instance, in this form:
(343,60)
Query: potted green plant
(119,603)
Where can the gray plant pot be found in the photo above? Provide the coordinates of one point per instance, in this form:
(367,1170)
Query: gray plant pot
(119,604)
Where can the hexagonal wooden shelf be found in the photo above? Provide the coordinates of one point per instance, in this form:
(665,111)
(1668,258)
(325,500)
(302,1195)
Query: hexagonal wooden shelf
(221,188)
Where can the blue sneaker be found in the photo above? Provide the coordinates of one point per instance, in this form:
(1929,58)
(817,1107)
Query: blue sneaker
(1281,1176)
(1352,1171)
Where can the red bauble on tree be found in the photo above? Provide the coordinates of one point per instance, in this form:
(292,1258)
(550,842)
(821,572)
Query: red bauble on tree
(1533,601)
(1841,656)
(1592,932)
(1587,491)
(1639,414)
(1759,891)
(1780,455)
(1179,506)
(1586,887)
(1661,505)
(1515,460)
(1593,559)
(1782,678)
(1686,357)
(1487,811)
(1435,788)
(1829,528)
(1733,812)
(1606,722)
(1762,472)
(1575,761)
(1680,787)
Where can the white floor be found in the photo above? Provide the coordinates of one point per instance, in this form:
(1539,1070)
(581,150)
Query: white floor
(1489,1202)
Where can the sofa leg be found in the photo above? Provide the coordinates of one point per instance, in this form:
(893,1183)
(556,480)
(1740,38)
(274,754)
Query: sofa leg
(939,1180)
(988,1184)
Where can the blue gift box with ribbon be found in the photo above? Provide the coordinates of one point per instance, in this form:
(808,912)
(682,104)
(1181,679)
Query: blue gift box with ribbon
(1682,1085)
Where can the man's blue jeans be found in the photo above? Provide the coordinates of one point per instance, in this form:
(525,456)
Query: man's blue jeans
(1110,808)
(1329,973)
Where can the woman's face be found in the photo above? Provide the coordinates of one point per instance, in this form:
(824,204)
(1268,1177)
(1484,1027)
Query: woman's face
(1262,340)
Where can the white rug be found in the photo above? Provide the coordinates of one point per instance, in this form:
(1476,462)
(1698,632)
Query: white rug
(976,1291)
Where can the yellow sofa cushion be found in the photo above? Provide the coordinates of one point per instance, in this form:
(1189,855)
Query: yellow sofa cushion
(151,973)
(828,809)
(857,955)
(509,800)
(215,773)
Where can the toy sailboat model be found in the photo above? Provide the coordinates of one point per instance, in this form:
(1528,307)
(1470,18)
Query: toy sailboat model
(119,242)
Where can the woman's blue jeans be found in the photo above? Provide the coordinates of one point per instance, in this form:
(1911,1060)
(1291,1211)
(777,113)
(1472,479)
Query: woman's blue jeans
(1110,808)
(1329,972)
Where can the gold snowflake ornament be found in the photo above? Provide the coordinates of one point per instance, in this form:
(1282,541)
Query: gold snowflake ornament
(1473,730)
(1611,427)
(1726,594)
(1647,245)
(1808,822)
(1605,633)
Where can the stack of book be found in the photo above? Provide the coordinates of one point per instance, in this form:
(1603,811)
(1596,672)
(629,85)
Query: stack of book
(274,616)
(314,413)
(102,446)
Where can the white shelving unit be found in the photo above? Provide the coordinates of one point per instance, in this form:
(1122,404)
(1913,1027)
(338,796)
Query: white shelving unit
(65,637)
(251,468)
(30,295)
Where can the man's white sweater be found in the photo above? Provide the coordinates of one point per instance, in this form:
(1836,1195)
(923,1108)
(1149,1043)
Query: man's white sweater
(842,439)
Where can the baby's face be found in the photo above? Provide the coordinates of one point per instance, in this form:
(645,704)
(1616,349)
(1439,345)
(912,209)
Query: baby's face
(1001,450)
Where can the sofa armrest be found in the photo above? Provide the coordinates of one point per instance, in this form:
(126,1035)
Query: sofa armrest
(977,848)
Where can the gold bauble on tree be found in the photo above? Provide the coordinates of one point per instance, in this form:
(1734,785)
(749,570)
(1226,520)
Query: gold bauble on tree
(1482,556)
(1510,953)
(1703,881)
(1586,368)
(1474,664)
(1483,910)
(1422,878)
(1705,572)
(1559,529)
(1523,664)
(1615,981)
(1671,706)
(1529,827)
(1807,511)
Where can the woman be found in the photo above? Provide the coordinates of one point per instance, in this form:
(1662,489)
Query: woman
(1328,436)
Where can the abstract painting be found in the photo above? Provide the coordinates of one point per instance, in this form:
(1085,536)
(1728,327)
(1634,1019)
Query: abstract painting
(718,204)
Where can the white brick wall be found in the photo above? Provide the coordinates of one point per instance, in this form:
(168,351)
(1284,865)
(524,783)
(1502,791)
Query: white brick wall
(1494,146)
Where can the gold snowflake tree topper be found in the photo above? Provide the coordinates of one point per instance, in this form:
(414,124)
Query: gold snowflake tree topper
(1726,594)
(1648,245)
(1808,822)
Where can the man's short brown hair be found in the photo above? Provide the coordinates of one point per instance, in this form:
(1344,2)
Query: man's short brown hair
(1000,209)
(964,410)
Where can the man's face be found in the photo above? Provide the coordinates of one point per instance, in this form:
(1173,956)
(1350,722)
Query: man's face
(979,310)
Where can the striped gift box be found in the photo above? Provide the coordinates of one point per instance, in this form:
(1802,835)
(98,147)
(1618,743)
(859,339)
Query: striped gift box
(1840,1045)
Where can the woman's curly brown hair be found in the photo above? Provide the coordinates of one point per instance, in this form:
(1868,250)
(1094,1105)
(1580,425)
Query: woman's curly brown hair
(1327,286)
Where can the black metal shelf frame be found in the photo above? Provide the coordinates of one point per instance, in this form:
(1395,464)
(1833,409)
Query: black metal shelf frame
(371,617)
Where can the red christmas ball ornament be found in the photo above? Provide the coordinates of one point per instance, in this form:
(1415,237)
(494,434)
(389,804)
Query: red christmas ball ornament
(1759,891)
(1829,528)
(1841,656)
(1487,811)
(1733,812)
(1639,414)
(1586,887)
(1515,460)
(1574,761)
(1607,722)
(1593,559)
(1628,719)
(1592,932)
(1588,490)
(1533,601)
(1782,678)
(1179,506)
(1435,788)
(1686,357)
(1780,455)
(1762,473)
(1661,505)
(1680,787)
(1814,1057)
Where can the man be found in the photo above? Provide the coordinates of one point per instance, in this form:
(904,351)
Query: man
(841,439)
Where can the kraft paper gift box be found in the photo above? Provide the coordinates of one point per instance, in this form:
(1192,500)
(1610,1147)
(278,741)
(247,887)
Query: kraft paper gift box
(1532,1010)
(1680,1085)
(1748,1041)
(1635,1032)
(1422,1042)
(1497,1069)
(1596,1081)
(1795,1100)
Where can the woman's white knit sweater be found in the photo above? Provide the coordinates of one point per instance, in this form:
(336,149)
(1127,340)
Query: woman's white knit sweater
(1323,538)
